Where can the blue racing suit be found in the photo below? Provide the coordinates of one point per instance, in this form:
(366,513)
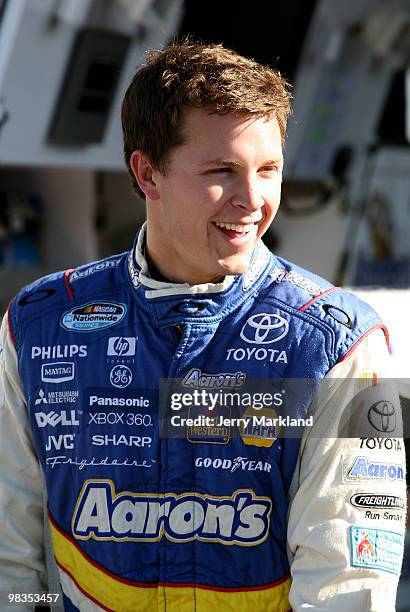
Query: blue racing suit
(194,521)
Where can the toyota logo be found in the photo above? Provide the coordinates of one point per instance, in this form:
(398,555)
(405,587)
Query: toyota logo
(264,328)
(382,416)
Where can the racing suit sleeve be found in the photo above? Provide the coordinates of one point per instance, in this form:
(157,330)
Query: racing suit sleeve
(22,563)
(346,524)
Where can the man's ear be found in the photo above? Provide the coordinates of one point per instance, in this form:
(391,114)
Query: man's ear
(144,174)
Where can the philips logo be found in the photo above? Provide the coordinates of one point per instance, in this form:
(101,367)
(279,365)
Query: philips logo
(60,371)
(121,347)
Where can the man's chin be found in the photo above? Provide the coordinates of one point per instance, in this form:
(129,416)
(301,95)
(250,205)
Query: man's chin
(233,266)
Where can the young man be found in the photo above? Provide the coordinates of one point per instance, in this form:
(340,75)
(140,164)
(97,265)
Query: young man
(223,515)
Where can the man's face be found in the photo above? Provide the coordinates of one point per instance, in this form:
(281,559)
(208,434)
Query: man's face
(219,195)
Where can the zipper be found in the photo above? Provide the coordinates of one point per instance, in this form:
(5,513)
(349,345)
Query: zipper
(179,330)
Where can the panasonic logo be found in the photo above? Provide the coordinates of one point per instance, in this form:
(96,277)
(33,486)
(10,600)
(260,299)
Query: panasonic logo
(129,402)
(103,514)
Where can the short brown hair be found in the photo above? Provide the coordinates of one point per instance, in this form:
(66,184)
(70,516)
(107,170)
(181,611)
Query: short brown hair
(187,73)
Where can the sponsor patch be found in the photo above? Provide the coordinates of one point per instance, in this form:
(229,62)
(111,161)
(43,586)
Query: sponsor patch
(264,328)
(96,400)
(93,316)
(292,277)
(338,315)
(132,419)
(101,513)
(256,266)
(210,434)
(376,549)
(243,464)
(93,269)
(382,416)
(377,500)
(120,376)
(120,440)
(134,272)
(59,442)
(225,380)
(121,346)
(59,351)
(259,354)
(64,418)
(363,469)
(388,444)
(259,432)
(56,397)
(58,372)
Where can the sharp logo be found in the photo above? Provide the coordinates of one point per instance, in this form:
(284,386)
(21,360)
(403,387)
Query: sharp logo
(102,514)
(121,347)
(52,419)
(58,372)
(121,440)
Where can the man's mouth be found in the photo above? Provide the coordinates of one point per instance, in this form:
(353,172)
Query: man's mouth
(234,230)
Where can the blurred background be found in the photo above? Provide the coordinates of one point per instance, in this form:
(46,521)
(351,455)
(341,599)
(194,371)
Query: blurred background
(65,196)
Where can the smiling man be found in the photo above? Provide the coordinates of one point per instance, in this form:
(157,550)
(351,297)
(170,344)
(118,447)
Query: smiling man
(226,510)
(218,196)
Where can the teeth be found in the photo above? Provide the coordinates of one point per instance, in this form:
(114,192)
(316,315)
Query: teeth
(236,227)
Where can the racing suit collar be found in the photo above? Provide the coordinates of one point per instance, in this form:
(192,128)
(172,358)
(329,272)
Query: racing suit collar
(162,288)
(172,303)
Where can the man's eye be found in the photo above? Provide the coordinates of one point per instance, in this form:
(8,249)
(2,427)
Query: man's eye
(270,169)
(219,170)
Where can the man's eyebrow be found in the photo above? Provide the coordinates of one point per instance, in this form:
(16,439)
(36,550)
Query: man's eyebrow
(235,163)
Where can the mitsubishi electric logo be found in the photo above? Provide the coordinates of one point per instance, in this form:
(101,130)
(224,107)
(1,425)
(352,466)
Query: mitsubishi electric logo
(41,398)
(264,328)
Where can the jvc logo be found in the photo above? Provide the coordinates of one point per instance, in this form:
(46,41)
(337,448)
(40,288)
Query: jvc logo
(59,442)
(54,418)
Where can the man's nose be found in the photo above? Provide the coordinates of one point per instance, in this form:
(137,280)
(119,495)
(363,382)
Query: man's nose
(248,195)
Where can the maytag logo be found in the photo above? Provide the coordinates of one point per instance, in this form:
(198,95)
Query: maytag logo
(58,372)
(93,316)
